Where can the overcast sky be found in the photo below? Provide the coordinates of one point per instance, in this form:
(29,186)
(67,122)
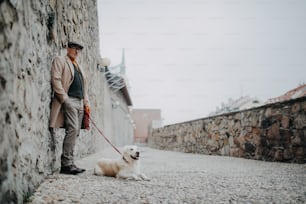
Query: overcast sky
(187,57)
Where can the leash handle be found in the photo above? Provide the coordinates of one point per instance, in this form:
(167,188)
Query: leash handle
(94,124)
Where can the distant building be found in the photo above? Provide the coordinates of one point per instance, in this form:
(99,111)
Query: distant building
(297,92)
(117,79)
(145,119)
(242,103)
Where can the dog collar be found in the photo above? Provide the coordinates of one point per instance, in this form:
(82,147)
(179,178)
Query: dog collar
(125,159)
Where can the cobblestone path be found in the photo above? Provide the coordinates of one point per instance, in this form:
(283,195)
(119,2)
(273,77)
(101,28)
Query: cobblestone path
(181,178)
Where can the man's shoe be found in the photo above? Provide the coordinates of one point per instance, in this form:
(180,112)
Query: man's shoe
(79,169)
(71,169)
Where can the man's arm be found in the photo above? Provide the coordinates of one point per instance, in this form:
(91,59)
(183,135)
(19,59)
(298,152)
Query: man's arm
(56,79)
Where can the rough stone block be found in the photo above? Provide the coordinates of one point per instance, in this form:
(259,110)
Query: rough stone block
(288,154)
(285,122)
(273,132)
(236,152)
(268,112)
(225,150)
(296,107)
(279,156)
(296,141)
(249,147)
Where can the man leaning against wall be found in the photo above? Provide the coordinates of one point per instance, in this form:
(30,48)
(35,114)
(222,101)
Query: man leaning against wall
(69,97)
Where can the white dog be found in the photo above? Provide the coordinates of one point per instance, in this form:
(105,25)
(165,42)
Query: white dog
(126,167)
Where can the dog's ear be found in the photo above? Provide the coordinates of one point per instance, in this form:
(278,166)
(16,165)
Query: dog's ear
(130,148)
(125,148)
(135,148)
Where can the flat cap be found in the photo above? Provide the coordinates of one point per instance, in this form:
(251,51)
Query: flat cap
(72,44)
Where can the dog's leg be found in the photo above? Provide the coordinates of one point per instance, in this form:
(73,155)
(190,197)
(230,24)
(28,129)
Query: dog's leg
(128,176)
(134,177)
(144,177)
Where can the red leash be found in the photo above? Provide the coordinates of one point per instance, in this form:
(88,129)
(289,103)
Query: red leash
(94,124)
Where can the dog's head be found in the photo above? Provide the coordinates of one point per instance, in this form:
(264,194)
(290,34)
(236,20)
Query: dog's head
(131,153)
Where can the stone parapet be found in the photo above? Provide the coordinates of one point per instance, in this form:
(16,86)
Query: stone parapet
(274,132)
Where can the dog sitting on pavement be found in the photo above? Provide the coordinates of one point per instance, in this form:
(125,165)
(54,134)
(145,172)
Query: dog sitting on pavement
(125,167)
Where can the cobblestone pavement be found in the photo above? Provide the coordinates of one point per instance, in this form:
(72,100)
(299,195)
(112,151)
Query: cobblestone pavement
(181,178)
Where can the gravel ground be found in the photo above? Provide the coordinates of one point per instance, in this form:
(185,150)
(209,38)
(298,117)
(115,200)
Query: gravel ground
(180,178)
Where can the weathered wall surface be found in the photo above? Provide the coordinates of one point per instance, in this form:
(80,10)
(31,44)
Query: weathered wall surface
(31,34)
(275,132)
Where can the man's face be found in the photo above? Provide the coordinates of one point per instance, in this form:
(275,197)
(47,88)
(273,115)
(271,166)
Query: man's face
(73,52)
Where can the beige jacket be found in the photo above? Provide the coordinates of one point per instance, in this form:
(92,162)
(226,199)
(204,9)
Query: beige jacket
(62,74)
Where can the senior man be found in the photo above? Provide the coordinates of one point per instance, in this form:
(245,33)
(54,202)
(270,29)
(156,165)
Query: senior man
(70,96)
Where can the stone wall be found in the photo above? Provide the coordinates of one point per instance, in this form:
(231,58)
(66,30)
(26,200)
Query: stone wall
(275,132)
(31,34)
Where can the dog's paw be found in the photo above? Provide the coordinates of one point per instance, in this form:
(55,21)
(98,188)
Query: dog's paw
(135,178)
(129,177)
(144,177)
